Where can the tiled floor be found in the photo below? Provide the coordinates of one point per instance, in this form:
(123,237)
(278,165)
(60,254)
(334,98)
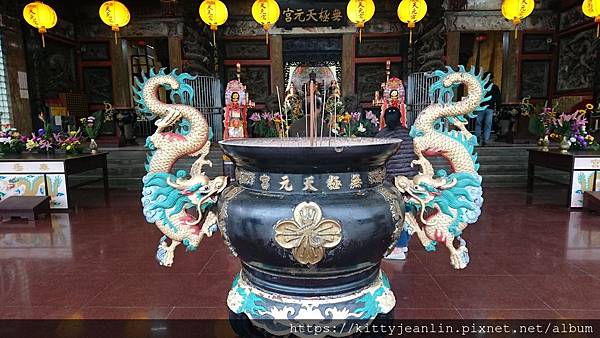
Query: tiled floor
(527,261)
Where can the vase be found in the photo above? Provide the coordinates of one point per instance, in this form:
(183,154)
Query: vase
(543,143)
(309,229)
(93,146)
(564,145)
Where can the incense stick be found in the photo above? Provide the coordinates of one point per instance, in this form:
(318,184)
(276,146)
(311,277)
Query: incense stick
(335,115)
(305,111)
(323,111)
(283,122)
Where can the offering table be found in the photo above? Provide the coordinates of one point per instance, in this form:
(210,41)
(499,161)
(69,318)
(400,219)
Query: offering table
(33,174)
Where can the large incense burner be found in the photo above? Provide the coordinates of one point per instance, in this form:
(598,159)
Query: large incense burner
(310,225)
(311,218)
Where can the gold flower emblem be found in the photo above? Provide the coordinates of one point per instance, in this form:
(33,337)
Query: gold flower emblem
(308,234)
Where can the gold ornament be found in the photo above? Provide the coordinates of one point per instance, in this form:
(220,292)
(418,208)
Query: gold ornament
(308,234)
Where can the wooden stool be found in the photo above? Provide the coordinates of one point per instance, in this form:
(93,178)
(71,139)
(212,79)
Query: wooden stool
(25,206)
(591,201)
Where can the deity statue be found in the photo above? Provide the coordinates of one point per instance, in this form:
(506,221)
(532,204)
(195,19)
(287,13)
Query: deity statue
(293,102)
(393,96)
(333,103)
(236,108)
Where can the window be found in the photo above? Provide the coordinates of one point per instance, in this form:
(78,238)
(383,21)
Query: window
(4,102)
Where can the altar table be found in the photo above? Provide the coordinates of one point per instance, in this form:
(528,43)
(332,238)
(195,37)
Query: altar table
(33,174)
(583,168)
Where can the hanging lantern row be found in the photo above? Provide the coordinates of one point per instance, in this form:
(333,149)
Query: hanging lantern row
(591,8)
(115,15)
(40,16)
(516,11)
(266,13)
(43,17)
(214,14)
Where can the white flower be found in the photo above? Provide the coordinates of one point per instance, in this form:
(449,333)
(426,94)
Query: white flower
(572,140)
(4,140)
(361,128)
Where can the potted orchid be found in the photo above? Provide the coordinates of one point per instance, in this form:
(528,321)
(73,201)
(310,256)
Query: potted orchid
(264,124)
(354,124)
(92,126)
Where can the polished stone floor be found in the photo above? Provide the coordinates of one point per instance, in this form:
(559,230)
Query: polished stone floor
(527,261)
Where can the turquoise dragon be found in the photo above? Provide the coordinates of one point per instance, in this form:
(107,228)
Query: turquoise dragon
(440,204)
(169,200)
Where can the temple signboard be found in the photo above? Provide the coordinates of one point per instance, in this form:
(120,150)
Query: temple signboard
(313,14)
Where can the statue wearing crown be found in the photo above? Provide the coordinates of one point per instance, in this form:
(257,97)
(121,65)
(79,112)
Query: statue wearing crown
(393,96)
(237,103)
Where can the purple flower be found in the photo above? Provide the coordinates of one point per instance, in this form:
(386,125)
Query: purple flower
(266,116)
(355,116)
(255,117)
(41,132)
(45,144)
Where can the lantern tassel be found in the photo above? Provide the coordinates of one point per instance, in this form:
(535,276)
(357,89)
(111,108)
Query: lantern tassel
(214,39)
(598,30)
(43,41)
(267,36)
(516,33)
(360,35)
(410,37)
(116,42)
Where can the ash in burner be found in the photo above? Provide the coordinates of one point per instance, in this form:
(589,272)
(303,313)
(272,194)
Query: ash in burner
(305,142)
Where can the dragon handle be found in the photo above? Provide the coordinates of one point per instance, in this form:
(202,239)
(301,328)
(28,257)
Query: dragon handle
(441,205)
(178,204)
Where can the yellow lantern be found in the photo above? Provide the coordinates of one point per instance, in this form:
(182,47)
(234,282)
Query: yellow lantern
(266,13)
(410,12)
(213,13)
(40,16)
(591,8)
(359,12)
(114,14)
(517,10)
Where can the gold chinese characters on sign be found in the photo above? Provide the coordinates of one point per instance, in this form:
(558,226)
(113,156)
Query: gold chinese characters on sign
(285,184)
(309,184)
(334,182)
(265,182)
(355,181)
(308,234)
(245,177)
(320,16)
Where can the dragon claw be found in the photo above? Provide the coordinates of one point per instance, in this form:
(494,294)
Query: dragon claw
(460,259)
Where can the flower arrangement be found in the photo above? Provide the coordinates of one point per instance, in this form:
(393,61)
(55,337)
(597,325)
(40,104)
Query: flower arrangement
(541,123)
(71,142)
(265,124)
(41,140)
(354,124)
(11,141)
(572,127)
